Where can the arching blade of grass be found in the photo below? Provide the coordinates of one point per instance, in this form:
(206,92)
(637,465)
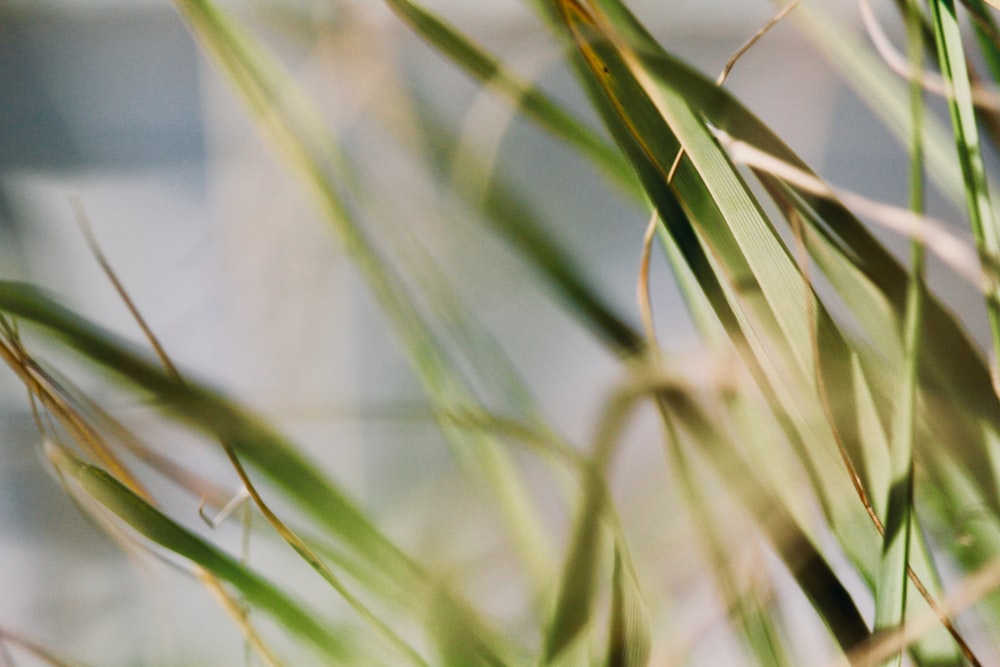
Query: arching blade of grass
(156,526)
(296,477)
(595,526)
(294,127)
(455,646)
(577,590)
(951,55)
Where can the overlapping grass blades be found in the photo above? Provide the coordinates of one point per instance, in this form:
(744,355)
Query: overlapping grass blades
(613,74)
(153,524)
(277,460)
(841,423)
(951,55)
(298,134)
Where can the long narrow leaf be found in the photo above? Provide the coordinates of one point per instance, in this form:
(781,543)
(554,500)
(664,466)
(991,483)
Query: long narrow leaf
(951,54)
(293,124)
(159,528)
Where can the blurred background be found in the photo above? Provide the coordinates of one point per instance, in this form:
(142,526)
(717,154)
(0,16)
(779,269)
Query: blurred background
(114,103)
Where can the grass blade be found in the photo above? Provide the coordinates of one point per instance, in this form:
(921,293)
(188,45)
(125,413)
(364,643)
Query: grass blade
(160,529)
(891,589)
(951,55)
(533,103)
(293,125)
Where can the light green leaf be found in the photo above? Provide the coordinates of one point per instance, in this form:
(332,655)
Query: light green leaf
(162,530)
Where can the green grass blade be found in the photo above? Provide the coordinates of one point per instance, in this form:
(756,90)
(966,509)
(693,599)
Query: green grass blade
(871,281)
(951,55)
(578,586)
(574,606)
(763,288)
(295,129)
(891,589)
(529,100)
(788,318)
(162,530)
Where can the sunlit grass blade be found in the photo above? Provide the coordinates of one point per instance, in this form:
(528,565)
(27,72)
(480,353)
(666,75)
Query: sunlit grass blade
(792,322)
(869,279)
(951,54)
(162,530)
(577,590)
(763,288)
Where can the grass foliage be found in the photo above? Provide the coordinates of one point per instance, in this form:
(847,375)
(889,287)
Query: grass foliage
(841,471)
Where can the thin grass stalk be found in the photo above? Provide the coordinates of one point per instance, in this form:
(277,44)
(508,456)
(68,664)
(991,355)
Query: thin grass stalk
(891,591)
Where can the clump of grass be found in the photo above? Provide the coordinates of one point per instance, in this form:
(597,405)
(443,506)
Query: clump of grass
(848,442)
